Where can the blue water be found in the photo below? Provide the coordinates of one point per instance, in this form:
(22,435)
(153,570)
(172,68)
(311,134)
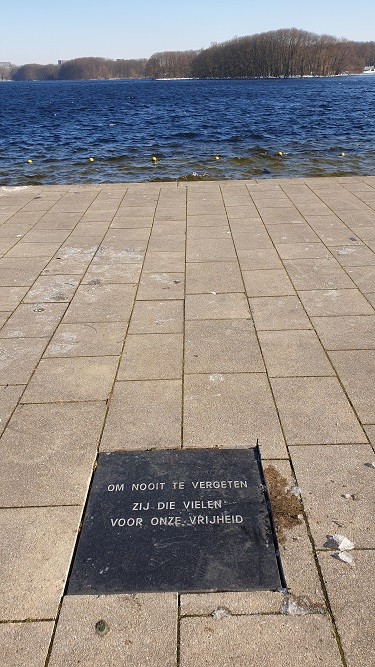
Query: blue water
(186,124)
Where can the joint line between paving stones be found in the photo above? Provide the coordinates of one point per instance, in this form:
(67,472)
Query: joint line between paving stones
(183,344)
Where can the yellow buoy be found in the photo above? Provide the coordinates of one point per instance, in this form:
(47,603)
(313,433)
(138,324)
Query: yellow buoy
(154,158)
(91,159)
(342,155)
(280,153)
(29,161)
(217,157)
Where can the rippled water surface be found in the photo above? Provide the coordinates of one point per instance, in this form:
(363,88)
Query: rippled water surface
(321,127)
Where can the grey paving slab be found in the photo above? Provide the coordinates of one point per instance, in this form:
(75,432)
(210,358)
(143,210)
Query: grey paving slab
(222,346)
(335,302)
(75,379)
(294,353)
(87,340)
(101,303)
(52,288)
(346,333)
(265,641)
(292,233)
(337,491)
(157,317)
(363,277)
(309,274)
(231,410)
(153,356)
(212,250)
(25,643)
(216,306)
(18,358)
(161,285)
(354,255)
(11,297)
(257,258)
(144,415)
(350,592)
(302,251)
(279,312)
(107,273)
(142,631)
(32,574)
(356,370)
(33,320)
(169,261)
(20,271)
(267,283)
(315,411)
(208,277)
(53,447)
(254,602)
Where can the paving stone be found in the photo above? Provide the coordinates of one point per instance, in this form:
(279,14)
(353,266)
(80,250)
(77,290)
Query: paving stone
(164,262)
(167,243)
(335,302)
(363,277)
(265,641)
(354,255)
(119,253)
(302,251)
(317,274)
(18,358)
(356,371)
(53,447)
(112,274)
(34,320)
(152,357)
(268,283)
(217,232)
(315,411)
(11,297)
(349,590)
(3,318)
(222,346)
(57,221)
(292,233)
(257,258)
(231,410)
(157,317)
(294,353)
(161,286)
(77,379)
(216,307)
(346,333)
(101,303)
(87,340)
(280,215)
(28,249)
(326,475)
(25,643)
(208,277)
(281,312)
(142,631)
(32,573)
(332,231)
(212,250)
(52,288)
(20,271)
(144,415)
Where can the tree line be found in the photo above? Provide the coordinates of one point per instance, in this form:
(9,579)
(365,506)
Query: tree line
(278,53)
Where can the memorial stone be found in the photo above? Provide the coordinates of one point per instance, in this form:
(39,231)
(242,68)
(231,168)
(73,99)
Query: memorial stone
(176,521)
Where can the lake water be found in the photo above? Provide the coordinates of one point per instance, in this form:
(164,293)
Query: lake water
(187,125)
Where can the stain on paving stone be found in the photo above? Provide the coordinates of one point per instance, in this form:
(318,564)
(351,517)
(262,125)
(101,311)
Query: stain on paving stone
(286,507)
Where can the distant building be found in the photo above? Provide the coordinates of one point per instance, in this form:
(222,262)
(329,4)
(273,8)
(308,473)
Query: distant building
(5,64)
(61,62)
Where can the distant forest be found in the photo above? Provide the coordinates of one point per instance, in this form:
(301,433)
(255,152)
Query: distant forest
(279,53)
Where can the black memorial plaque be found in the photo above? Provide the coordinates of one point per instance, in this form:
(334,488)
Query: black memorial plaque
(176,521)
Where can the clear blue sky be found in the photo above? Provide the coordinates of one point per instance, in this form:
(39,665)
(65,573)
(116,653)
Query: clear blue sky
(42,32)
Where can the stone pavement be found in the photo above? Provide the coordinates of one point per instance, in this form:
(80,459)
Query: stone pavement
(138,316)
